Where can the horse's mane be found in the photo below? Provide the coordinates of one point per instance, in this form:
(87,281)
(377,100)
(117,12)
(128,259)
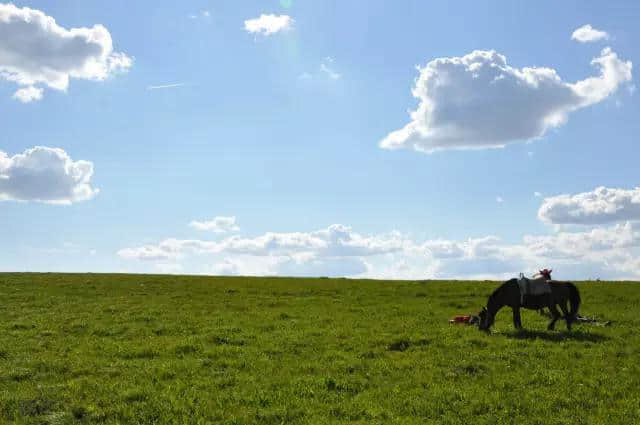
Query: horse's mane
(501,287)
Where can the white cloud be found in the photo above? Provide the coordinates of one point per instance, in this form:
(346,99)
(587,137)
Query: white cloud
(537,194)
(593,244)
(478,101)
(336,240)
(46,175)
(228,267)
(605,252)
(268,24)
(28,94)
(245,265)
(322,266)
(333,251)
(217,225)
(587,34)
(613,72)
(499,199)
(148,252)
(602,205)
(34,49)
(444,249)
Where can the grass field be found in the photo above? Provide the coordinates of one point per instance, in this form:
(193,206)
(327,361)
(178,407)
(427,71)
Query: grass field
(143,349)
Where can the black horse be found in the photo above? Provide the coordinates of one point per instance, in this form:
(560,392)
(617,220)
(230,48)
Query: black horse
(508,294)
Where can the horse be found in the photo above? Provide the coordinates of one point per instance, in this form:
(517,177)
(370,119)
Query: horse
(508,294)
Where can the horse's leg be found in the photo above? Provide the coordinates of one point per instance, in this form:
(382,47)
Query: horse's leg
(517,323)
(556,315)
(565,311)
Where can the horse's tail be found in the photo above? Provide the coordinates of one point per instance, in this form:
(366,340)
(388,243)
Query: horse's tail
(574,301)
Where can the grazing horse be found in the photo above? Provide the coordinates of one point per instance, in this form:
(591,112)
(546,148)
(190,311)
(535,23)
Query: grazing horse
(508,294)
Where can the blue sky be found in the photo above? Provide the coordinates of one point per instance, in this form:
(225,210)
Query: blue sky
(282,132)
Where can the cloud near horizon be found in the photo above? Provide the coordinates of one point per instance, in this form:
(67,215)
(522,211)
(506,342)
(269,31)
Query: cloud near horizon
(45,174)
(478,101)
(601,206)
(337,250)
(35,50)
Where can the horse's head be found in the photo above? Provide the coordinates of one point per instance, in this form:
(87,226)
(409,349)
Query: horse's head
(546,273)
(485,321)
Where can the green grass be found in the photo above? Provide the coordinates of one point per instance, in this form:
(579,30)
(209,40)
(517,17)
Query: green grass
(142,349)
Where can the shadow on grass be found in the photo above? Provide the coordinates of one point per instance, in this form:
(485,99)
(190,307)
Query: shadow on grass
(557,336)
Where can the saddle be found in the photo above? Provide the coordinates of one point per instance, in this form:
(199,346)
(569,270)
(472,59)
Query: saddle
(528,286)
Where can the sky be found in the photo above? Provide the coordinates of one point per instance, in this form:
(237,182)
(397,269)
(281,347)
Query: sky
(396,140)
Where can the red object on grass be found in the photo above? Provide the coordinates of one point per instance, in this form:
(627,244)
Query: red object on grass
(461,318)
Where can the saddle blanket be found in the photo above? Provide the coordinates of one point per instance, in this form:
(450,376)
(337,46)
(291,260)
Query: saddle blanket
(537,286)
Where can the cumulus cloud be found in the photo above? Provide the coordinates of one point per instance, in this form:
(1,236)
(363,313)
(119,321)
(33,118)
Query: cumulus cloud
(585,244)
(228,267)
(600,252)
(45,174)
(322,266)
(602,205)
(268,24)
(478,101)
(334,251)
(34,49)
(339,251)
(28,94)
(588,34)
(217,225)
(148,252)
(444,249)
(335,241)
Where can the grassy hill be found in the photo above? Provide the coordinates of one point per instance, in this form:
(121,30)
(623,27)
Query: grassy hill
(145,349)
